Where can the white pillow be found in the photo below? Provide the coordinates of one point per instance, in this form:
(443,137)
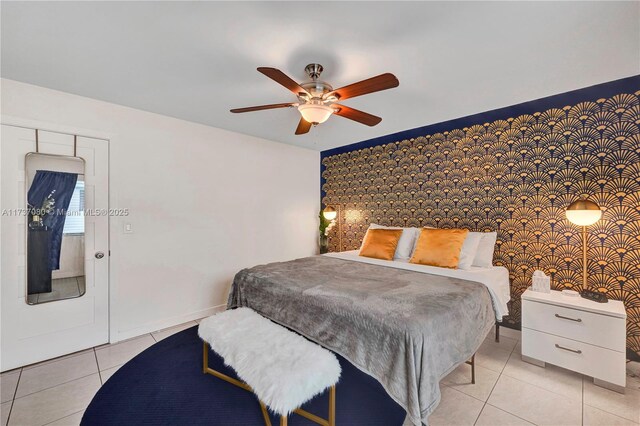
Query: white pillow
(406,242)
(469,250)
(484,254)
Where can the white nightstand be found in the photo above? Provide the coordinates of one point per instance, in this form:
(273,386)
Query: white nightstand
(576,334)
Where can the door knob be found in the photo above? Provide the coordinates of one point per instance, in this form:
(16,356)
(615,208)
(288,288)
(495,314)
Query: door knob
(99,255)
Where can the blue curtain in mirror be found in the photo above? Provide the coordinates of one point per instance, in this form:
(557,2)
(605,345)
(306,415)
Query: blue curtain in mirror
(58,187)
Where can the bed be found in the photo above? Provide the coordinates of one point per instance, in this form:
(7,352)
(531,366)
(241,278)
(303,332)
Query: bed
(406,325)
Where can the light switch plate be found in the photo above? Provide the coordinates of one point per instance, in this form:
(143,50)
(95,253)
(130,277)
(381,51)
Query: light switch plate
(128,228)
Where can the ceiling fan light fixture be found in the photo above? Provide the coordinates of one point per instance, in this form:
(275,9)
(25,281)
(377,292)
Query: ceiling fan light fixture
(317,100)
(315,113)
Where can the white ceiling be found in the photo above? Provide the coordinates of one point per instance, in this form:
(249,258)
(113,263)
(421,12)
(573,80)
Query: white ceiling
(196,60)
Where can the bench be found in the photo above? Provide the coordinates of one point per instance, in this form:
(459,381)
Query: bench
(283,369)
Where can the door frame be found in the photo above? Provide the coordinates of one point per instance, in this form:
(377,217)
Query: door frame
(109,137)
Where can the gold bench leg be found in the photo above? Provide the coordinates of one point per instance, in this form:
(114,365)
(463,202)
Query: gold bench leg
(332,406)
(265,414)
(205,357)
(283,421)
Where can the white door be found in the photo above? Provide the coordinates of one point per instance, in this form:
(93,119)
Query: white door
(35,332)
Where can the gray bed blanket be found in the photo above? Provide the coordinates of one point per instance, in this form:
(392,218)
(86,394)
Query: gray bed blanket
(406,329)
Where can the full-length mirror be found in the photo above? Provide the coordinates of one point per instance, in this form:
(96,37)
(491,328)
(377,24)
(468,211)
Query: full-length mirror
(55,231)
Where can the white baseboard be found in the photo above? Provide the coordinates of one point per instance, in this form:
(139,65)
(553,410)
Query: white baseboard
(165,323)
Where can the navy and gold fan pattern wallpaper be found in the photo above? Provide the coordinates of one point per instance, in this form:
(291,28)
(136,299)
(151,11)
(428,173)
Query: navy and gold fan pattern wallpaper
(516,176)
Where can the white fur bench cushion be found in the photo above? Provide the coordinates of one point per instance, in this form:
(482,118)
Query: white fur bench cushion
(283,368)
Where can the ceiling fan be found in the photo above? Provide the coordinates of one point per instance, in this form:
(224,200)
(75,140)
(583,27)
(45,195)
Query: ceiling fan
(317,100)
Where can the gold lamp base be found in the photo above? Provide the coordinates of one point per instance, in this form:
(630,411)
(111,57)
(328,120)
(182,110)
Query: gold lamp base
(584,258)
(583,212)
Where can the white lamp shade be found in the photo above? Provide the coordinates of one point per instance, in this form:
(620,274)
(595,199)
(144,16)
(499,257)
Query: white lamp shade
(315,113)
(329,213)
(583,213)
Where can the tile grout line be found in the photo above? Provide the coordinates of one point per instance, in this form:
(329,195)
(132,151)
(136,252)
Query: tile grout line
(494,386)
(541,388)
(510,413)
(56,359)
(611,414)
(98,366)
(62,418)
(583,377)
(482,409)
(54,386)
(489,396)
(10,409)
(499,373)
(496,383)
(15,392)
(582,394)
(515,415)
(513,376)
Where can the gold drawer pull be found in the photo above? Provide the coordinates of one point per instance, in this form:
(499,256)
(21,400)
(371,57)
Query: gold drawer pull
(567,349)
(570,319)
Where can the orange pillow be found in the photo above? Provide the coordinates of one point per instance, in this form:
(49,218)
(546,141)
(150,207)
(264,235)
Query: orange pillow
(439,247)
(380,243)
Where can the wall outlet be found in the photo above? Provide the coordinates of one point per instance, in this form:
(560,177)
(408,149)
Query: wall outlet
(128,228)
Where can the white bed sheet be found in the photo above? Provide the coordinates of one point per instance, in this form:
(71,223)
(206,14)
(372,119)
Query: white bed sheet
(495,278)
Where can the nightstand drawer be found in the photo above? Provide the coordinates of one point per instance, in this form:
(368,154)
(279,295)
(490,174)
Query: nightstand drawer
(594,361)
(588,327)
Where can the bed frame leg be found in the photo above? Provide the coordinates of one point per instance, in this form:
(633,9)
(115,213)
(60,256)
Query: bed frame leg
(472,363)
(497,332)
(473,369)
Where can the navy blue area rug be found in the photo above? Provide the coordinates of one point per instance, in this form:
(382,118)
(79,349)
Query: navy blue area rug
(164,385)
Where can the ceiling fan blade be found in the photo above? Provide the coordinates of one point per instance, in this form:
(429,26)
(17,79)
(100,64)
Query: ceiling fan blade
(356,115)
(280,77)
(261,107)
(303,127)
(370,85)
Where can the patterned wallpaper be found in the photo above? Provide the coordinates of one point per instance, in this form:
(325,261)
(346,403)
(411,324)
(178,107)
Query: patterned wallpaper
(515,175)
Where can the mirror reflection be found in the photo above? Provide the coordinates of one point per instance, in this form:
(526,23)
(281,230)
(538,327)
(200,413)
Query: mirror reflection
(55,231)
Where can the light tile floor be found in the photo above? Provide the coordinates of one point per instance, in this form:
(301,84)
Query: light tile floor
(62,288)
(508,391)
(56,392)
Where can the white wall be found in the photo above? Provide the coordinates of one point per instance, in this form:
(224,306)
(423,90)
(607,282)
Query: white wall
(204,203)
